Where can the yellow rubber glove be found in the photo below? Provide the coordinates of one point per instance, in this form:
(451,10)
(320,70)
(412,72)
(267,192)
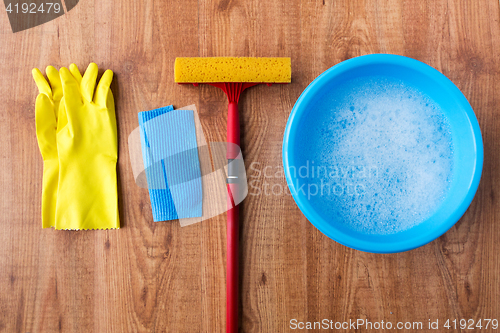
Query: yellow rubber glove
(46,109)
(88,152)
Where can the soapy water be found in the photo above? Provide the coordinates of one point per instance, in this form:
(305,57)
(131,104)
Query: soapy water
(379,155)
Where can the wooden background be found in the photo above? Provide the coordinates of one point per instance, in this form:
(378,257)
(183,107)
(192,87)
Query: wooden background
(158,277)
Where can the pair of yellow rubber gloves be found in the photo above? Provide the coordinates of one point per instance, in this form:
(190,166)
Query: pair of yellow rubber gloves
(77,136)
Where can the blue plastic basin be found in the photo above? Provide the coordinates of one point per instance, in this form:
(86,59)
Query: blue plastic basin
(466,138)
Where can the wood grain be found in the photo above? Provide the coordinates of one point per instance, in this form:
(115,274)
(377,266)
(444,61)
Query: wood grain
(158,277)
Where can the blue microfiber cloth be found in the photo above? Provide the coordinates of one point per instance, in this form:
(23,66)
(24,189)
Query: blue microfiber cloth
(170,155)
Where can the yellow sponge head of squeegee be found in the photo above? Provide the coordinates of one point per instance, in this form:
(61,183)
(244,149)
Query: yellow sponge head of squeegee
(232,69)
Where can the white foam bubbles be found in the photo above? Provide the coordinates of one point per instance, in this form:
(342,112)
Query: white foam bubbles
(388,152)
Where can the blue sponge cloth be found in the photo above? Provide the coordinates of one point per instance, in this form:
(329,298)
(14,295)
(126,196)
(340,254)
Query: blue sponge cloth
(170,155)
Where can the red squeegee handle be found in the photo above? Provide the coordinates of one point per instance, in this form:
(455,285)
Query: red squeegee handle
(233,91)
(233,137)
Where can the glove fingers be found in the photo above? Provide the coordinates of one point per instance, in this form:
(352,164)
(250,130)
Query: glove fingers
(110,101)
(89,81)
(62,116)
(45,121)
(103,91)
(71,89)
(55,82)
(76,73)
(41,83)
